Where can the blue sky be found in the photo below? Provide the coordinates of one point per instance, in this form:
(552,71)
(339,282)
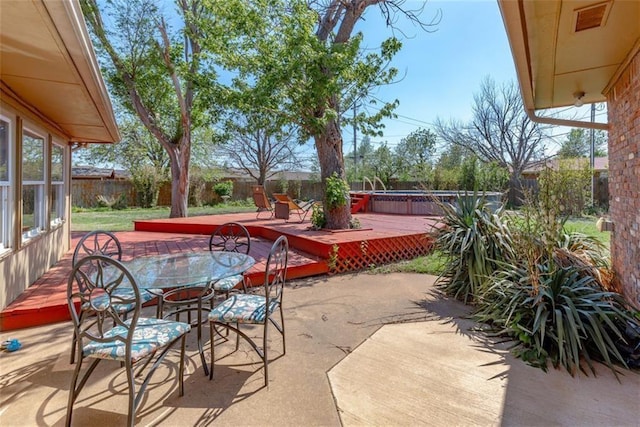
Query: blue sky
(442,69)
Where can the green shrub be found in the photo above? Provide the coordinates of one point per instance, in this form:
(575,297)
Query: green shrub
(223,188)
(115,203)
(555,314)
(473,240)
(146,181)
(337,192)
(318,219)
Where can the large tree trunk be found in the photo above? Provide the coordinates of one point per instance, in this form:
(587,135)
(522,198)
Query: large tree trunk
(329,146)
(516,195)
(179,158)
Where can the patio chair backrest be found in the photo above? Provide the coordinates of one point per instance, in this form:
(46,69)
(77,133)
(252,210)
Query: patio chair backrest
(97,242)
(102,284)
(260,197)
(276,270)
(230,237)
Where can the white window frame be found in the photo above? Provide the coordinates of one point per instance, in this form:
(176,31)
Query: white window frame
(57,208)
(6,192)
(40,191)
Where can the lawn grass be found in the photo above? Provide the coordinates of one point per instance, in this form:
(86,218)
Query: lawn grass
(587,225)
(122,220)
(434,262)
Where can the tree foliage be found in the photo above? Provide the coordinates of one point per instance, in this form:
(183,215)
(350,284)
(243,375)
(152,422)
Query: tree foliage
(578,144)
(500,130)
(415,154)
(310,71)
(258,147)
(159,73)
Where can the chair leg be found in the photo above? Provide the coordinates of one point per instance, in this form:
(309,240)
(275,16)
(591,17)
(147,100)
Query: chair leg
(199,330)
(265,360)
(212,331)
(132,395)
(181,374)
(237,335)
(72,388)
(75,388)
(284,346)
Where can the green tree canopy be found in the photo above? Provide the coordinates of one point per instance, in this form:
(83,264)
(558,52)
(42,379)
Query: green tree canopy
(578,143)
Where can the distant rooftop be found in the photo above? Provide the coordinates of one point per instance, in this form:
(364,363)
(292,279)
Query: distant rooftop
(600,164)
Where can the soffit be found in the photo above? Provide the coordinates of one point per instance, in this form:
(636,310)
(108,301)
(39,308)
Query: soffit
(48,63)
(554,61)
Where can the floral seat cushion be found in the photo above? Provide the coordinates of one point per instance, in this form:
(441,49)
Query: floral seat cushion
(227,283)
(243,308)
(148,336)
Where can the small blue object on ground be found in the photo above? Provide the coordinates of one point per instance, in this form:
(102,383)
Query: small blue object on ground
(11,345)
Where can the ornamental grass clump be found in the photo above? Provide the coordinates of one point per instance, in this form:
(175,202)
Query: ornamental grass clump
(473,240)
(549,291)
(557,315)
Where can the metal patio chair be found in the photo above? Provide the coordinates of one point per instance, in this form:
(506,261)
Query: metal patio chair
(100,242)
(256,309)
(99,280)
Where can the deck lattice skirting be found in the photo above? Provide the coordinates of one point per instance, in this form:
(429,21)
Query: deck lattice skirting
(355,256)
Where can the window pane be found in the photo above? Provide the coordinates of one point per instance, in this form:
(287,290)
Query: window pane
(57,159)
(57,185)
(33,188)
(5,189)
(32,158)
(29,207)
(4,151)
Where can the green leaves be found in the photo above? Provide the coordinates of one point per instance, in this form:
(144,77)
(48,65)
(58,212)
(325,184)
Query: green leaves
(337,192)
(546,292)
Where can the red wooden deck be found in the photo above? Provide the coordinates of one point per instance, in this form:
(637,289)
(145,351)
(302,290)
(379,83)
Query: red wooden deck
(382,239)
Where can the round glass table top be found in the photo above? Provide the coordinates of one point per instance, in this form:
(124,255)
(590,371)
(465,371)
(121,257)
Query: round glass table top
(186,269)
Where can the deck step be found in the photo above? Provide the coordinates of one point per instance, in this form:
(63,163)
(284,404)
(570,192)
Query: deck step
(359,202)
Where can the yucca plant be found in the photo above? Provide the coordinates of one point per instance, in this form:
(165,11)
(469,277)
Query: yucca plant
(472,240)
(558,316)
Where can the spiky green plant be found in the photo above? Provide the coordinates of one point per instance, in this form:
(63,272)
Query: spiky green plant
(557,316)
(473,239)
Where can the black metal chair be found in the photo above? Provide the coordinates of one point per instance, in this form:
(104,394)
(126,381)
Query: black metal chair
(105,243)
(104,284)
(228,237)
(256,309)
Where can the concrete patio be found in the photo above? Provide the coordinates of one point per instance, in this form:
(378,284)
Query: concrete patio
(361,350)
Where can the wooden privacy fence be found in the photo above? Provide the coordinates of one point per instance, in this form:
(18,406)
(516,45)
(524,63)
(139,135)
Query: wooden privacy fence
(84,193)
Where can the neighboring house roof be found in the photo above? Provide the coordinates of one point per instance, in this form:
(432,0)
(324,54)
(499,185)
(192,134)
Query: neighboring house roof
(48,67)
(241,174)
(600,164)
(567,47)
(91,172)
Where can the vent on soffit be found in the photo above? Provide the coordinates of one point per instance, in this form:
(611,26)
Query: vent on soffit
(592,16)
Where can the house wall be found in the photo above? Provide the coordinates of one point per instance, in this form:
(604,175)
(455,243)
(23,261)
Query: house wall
(624,177)
(26,261)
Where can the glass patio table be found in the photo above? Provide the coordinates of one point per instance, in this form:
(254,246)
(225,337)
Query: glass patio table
(188,279)
(186,269)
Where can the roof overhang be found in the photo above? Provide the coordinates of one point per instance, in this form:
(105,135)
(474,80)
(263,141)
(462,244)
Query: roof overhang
(47,65)
(569,49)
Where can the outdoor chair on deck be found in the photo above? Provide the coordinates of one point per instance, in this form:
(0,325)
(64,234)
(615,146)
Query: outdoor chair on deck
(229,237)
(256,309)
(285,206)
(104,243)
(104,284)
(261,201)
